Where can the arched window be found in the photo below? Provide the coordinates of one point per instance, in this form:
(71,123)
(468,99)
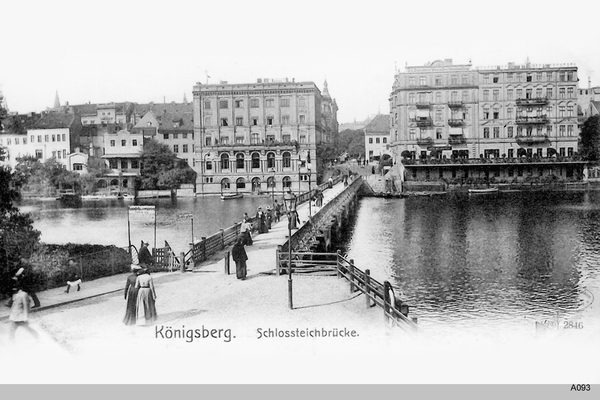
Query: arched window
(239,160)
(240,183)
(225,184)
(225,161)
(270,182)
(255,184)
(287,160)
(287,181)
(101,184)
(270,160)
(255,160)
(114,182)
(124,183)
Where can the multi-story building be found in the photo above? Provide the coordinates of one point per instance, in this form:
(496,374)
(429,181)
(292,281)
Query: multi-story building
(259,137)
(106,113)
(377,138)
(122,151)
(446,111)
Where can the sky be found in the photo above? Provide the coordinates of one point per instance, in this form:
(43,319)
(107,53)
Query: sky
(142,51)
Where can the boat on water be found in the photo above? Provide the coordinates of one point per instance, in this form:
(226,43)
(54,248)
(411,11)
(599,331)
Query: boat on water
(100,196)
(484,191)
(231,196)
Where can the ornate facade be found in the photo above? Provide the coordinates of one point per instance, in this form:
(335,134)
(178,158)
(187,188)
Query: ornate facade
(259,137)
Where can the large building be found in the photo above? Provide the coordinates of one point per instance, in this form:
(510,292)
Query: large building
(377,137)
(260,137)
(447,111)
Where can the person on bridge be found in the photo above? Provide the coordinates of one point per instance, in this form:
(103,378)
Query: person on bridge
(238,253)
(330,182)
(131,295)
(246,231)
(261,220)
(269,217)
(146,298)
(277,208)
(144,256)
(19,313)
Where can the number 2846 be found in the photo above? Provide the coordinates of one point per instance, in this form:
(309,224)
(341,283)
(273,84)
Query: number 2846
(572,325)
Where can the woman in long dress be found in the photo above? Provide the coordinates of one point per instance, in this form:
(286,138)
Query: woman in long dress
(131,294)
(146,299)
(240,257)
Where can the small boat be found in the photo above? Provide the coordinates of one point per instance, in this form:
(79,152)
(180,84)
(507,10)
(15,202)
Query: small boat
(484,191)
(231,196)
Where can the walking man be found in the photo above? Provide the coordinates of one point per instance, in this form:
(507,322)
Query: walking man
(19,313)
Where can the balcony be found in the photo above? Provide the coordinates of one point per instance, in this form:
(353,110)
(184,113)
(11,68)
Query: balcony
(533,101)
(422,121)
(457,139)
(539,119)
(455,104)
(425,141)
(531,139)
(423,104)
(455,122)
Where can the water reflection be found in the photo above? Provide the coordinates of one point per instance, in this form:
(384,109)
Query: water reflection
(486,259)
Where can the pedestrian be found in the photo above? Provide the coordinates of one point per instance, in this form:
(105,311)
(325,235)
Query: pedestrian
(345,179)
(144,256)
(131,295)
(146,298)
(246,232)
(238,253)
(73,281)
(373,170)
(19,313)
(269,217)
(319,200)
(293,219)
(261,221)
(330,182)
(23,279)
(277,211)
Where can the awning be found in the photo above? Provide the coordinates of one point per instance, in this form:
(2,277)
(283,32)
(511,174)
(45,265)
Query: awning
(422,113)
(456,131)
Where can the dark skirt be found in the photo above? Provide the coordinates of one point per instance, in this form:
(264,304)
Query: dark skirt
(240,269)
(147,304)
(247,237)
(131,310)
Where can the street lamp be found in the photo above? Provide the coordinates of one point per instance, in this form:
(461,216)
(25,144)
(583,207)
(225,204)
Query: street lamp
(273,187)
(289,200)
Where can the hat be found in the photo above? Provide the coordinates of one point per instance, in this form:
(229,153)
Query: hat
(135,267)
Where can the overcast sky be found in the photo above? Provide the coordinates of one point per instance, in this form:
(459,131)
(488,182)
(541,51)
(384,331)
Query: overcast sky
(144,51)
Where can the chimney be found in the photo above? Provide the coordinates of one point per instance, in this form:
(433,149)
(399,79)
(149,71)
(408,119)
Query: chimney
(259,80)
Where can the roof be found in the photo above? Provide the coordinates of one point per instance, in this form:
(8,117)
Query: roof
(173,116)
(92,109)
(26,121)
(54,120)
(379,124)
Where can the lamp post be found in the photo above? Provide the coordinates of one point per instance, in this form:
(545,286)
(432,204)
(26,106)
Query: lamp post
(273,187)
(289,200)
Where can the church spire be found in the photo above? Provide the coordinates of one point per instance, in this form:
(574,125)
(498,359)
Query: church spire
(184,99)
(56,101)
(325,89)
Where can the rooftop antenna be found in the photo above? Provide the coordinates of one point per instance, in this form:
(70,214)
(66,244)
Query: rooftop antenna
(206,73)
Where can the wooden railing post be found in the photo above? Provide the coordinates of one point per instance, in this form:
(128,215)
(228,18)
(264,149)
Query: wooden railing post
(339,264)
(367,285)
(222,239)
(278,259)
(227,262)
(182,261)
(386,300)
(351,273)
(203,238)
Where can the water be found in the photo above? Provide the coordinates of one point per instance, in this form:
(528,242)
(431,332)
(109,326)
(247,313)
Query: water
(487,263)
(105,221)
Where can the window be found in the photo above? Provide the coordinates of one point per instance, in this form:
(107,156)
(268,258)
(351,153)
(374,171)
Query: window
(287,160)
(112,143)
(255,139)
(239,121)
(509,113)
(239,161)
(509,77)
(207,104)
(223,104)
(438,134)
(496,94)
(486,113)
(207,141)
(486,133)
(134,142)
(254,103)
(438,80)
(64,153)
(465,79)
(269,102)
(438,97)
(561,111)
(496,114)
(569,130)
(528,93)
(509,94)
(270,160)
(123,143)
(285,102)
(570,75)
(561,151)
(377,140)
(509,132)
(569,111)
(46,137)
(561,130)
(495,79)
(549,130)
(570,92)
(224,122)
(438,115)
(255,160)
(184,135)
(529,78)
(561,93)
(412,132)
(239,104)
(124,164)
(384,140)
(239,139)
(519,93)
(422,81)
(254,121)
(549,93)
(165,136)
(286,138)
(135,164)
(225,161)
(538,92)
(370,140)
(496,132)
(549,111)
(54,138)
(175,148)
(208,165)
(570,151)
(185,148)
(411,81)
(285,119)
(269,120)
(175,135)
(411,98)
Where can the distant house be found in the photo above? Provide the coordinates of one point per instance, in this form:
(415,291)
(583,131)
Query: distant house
(377,137)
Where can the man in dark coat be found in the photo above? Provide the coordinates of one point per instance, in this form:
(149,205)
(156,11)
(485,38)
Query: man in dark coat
(144,256)
(238,253)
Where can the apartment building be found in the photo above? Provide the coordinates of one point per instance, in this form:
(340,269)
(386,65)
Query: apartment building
(377,137)
(260,137)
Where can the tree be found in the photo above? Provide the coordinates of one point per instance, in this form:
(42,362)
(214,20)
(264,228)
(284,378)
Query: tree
(161,169)
(590,139)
